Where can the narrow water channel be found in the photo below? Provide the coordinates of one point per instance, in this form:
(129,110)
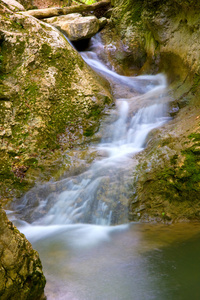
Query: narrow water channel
(79,225)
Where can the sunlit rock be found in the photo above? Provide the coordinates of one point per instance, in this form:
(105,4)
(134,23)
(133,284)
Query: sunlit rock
(77,27)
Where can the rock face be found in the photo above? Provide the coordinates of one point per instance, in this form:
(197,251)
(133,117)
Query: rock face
(163,36)
(75,26)
(156,34)
(49,99)
(21,274)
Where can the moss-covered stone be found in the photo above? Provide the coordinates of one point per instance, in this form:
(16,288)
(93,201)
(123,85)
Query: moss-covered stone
(158,33)
(45,87)
(167,177)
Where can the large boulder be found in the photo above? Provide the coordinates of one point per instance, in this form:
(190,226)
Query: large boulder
(21,275)
(49,100)
(75,26)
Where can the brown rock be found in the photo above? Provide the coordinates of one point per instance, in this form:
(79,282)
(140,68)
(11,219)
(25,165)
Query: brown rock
(21,275)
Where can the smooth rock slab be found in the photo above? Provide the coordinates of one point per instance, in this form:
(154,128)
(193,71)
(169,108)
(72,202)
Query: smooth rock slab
(75,26)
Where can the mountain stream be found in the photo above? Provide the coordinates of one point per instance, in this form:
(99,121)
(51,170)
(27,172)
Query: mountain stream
(79,225)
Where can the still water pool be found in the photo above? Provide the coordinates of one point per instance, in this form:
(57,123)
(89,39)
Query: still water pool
(127,262)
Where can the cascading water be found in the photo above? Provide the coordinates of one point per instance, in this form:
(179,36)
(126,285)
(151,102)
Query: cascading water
(83,200)
(76,213)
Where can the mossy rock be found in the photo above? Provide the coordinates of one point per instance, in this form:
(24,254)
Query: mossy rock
(45,87)
(167,177)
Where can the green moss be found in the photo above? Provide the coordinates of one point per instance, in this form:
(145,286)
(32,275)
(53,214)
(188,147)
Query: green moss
(89,132)
(31,162)
(173,186)
(17,25)
(43,26)
(40,110)
(196,83)
(21,116)
(135,15)
(150,43)
(12,55)
(31,93)
(95,112)
(46,50)
(182,183)
(132,10)
(6,172)
(195,137)
(1,61)
(174,158)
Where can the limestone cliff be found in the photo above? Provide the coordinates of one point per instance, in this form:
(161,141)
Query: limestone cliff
(163,36)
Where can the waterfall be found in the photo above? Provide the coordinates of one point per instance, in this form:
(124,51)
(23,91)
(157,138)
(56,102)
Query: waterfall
(100,195)
(70,221)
